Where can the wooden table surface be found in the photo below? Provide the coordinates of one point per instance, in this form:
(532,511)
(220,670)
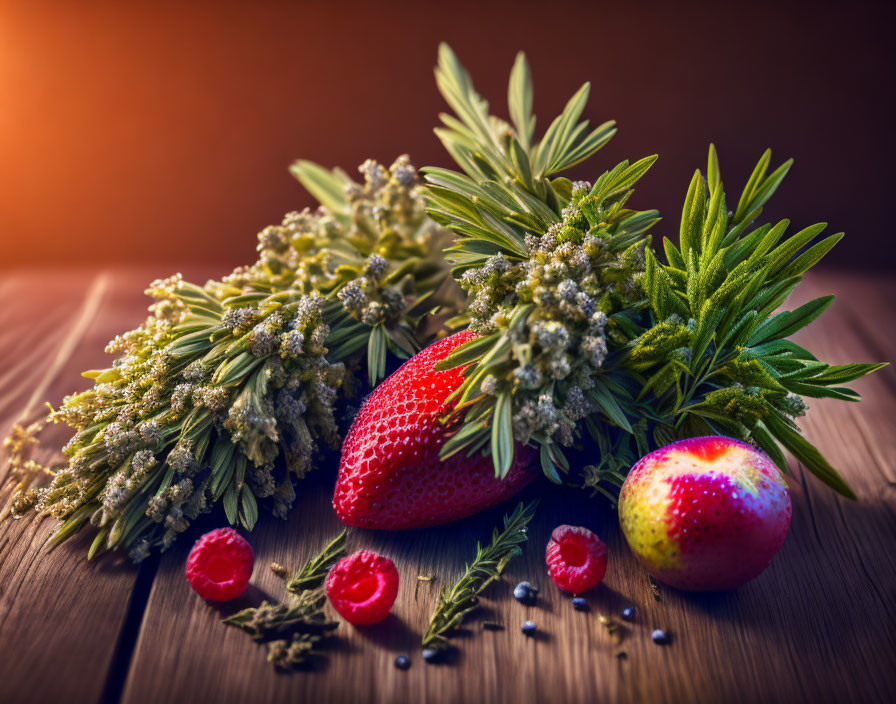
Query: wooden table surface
(817,626)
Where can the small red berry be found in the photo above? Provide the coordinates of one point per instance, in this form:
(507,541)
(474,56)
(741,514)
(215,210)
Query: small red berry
(576,558)
(362,587)
(220,565)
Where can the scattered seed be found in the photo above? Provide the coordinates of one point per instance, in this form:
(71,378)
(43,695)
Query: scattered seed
(579,604)
(425,578)
(660,637)
(628,613)
(403,662)
(529,628)
(279,570)
(654,589)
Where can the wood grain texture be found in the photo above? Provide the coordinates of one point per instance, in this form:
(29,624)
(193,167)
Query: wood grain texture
(59,616)
(817,626)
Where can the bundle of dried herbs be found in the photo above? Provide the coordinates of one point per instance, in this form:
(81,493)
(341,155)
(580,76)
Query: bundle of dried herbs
(228,391)
(586,339)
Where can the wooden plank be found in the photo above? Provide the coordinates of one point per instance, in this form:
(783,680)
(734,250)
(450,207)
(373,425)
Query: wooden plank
(60,617)
(816,626)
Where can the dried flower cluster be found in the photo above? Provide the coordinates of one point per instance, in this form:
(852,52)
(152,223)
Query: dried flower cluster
(583,329)
(228,391)
(553,308)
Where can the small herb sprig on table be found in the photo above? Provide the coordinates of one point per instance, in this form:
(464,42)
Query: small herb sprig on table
(293,630)
(313,574)
(490,562)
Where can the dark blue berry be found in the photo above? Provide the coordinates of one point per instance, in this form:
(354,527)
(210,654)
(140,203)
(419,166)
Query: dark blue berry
(660,637)
(579,603)
(525,593)
(432,655)
(628,613)
(402,662)
(529,628)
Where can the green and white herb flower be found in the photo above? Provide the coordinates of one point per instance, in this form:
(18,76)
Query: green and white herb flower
(228,391)
(550,266)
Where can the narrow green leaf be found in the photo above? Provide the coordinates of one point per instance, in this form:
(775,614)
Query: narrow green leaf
(767,444)
(376,354)
(519,99)
(786,323)
(502,435)
(248,508)
(807,454)
(328,187)
(547,465)
(607,404)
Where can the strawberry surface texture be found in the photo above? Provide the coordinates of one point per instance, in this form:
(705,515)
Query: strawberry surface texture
(390,474)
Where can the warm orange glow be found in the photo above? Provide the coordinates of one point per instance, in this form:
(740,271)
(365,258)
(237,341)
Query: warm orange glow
(161,132)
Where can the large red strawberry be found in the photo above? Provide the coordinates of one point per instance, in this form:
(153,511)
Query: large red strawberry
(390,474)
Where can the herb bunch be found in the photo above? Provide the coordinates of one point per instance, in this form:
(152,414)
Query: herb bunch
(294,630)
(586,339)
(490,562)
(228,391)
(713,357)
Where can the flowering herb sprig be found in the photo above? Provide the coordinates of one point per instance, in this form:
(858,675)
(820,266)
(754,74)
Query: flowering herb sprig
(585,337)
(490,562)
(228,391)
(713,357)
(294,630)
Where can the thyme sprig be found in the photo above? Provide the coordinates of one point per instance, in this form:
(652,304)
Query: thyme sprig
(313,574)
(294,630)
(457,601)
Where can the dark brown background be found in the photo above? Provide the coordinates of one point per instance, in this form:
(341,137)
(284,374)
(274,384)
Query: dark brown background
(157,132)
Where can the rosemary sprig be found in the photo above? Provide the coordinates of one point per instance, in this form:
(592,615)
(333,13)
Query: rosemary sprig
(313,574)
(457,601)
(294,630)
(269,621)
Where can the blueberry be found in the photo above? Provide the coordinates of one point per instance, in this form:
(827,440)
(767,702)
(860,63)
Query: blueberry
(525,593)
(529,628)
(402,662)
(432,655)
(660,637)
(628,613)
(579,603)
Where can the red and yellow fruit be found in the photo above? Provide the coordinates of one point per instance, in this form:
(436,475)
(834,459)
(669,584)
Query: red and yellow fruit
(705,514)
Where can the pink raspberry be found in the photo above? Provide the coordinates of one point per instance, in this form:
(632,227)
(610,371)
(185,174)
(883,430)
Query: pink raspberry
(576,558)
(362,587)
(220,565)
